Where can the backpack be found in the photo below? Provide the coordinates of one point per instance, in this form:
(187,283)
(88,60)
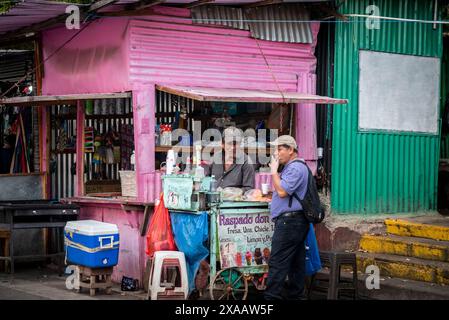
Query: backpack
(311,203)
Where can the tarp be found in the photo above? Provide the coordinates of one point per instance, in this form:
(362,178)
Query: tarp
(191,231)
(313,261)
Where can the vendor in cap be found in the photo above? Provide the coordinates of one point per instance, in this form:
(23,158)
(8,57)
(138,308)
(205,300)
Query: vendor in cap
(232,168)
(288,253)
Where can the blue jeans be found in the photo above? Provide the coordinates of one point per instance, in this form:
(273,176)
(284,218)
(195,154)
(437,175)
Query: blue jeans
(287,258)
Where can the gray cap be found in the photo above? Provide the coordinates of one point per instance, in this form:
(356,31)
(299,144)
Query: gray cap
(232,133)
(285,140)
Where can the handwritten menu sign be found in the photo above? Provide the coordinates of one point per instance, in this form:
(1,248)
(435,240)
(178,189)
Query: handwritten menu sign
(245,239)
(178,193)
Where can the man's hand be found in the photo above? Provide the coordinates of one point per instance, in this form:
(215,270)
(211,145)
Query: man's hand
(274,164)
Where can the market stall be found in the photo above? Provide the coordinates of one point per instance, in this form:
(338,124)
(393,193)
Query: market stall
(174,73)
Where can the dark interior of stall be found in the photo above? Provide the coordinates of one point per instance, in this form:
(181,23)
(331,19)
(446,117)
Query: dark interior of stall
(254,119)
(443,172)
(18,140)
(19,131)
(324,53)
(108,146)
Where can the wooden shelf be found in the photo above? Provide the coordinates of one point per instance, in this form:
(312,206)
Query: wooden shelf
(213,115)
(95,116)
(110,116)
(176,148)
(161,149)
(66,151)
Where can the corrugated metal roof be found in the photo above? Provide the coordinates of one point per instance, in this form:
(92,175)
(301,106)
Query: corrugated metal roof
(220,15)
(274,23)
(241,95)
(28,12)
(280,23)
(14,65)
(181,2)
(226,2)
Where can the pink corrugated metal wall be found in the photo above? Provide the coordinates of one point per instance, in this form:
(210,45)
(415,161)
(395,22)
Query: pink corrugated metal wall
(165,47)
(94,61)
(171,50)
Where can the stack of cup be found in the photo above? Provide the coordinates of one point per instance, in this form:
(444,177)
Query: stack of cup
(170,162)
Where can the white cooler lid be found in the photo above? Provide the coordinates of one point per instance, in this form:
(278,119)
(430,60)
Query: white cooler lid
(91,227)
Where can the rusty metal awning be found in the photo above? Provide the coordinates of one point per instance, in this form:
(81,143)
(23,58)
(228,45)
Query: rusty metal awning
(240,95)
(59,99)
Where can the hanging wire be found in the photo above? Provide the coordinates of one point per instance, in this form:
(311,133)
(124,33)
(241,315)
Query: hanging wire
(284,101)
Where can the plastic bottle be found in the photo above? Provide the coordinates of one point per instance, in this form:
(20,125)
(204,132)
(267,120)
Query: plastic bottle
(188,168)
(213,184)
(133,160)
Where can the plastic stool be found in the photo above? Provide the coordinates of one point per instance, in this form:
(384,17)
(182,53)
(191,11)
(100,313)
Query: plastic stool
(334,261)
(168,276)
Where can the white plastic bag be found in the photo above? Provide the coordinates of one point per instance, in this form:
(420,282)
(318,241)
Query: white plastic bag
(253,195)
(231,194)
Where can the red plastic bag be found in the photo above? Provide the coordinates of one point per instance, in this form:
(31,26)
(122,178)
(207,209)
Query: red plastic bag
(160,235)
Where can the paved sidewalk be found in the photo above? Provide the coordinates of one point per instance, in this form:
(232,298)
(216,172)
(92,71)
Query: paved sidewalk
(34,283)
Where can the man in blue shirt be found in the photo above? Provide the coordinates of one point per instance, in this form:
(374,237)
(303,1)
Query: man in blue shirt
(287,257)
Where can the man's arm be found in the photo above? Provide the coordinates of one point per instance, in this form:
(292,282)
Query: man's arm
(277,185)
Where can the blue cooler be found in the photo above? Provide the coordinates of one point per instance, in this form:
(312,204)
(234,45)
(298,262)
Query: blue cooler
(91,243)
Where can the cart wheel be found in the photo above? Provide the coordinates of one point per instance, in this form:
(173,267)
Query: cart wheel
(229,284)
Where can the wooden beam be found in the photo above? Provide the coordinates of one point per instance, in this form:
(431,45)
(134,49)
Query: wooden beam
(262,3)
(67,99)
(143,4)
(100,4)
(331,11)
(197,3)
(146,220)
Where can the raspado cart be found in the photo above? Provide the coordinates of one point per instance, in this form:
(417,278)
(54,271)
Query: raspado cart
(240,234)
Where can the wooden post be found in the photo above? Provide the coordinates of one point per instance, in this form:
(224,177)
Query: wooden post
(80,116)
(144,100)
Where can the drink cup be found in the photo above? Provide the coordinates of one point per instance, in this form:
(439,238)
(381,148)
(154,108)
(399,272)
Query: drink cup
(265,188)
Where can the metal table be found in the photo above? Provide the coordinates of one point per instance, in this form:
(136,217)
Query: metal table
(37,214)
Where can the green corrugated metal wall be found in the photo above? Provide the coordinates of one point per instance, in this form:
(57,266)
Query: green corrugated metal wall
(381,172)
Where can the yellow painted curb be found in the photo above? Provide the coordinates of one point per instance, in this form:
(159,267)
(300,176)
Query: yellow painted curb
(382,244)
(412,229)
(406,270)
